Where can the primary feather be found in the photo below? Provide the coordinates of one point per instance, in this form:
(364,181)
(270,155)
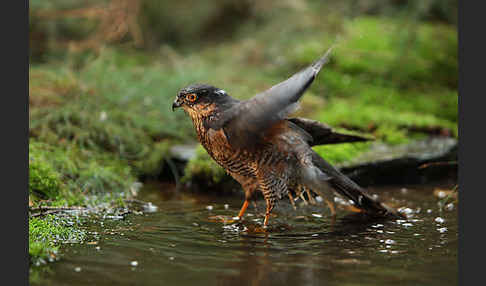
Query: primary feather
(246,120)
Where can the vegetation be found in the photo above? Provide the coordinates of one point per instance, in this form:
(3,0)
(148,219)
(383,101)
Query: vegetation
(101,86)
(45,236)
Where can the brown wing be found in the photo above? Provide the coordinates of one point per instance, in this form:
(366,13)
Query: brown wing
(246,122)
(323,134)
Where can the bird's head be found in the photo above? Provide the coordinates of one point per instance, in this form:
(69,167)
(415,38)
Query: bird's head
(200,99)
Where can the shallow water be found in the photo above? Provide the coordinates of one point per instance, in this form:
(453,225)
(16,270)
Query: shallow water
(179,244)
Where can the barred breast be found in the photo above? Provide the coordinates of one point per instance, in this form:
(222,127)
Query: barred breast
(236,161)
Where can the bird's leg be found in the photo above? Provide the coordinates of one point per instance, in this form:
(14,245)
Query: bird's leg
(291,198)
(303,198)
(300,193)
(255,205)
(265,222)
(267,214)
(298,190)
(220,218)
(332,207)
(311,198)
(243,209)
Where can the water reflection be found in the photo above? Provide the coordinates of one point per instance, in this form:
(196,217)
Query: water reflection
(282,257)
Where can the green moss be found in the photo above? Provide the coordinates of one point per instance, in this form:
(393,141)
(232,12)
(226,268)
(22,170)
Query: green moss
(44,181)
(153,164)
(341,153)
(387,123)
(109,111)
(112,106)
(202,166)
(392,134)
(392,77)
(83,177)
(406,53)
(47,234)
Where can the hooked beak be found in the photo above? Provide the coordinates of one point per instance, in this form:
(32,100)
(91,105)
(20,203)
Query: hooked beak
(176,104)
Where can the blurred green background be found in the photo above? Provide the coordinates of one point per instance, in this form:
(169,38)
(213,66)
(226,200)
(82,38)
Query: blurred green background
(103,75)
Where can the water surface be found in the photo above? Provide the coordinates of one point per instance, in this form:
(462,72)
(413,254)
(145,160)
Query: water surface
(179,244)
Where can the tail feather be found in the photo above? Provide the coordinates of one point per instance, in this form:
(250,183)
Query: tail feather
(350,190)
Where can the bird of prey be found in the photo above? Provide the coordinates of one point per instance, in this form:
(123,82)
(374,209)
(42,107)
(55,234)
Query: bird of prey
(266,151)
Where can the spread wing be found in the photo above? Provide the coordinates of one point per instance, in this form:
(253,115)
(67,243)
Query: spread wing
(248,120)
(323,134)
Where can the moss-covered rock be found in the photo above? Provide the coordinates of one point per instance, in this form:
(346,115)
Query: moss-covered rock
(339,153)
(44,181)
(47,234)
(203,168)
(76,176)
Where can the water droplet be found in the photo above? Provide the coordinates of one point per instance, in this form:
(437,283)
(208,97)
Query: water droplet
(439,220)
(442,229)
(150,208)
(406,211)
(316,215)
(449,206)
(339,200)
(390,241)
(441,194)
(134,263)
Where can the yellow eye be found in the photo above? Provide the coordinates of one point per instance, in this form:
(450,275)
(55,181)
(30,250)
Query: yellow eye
(191,97)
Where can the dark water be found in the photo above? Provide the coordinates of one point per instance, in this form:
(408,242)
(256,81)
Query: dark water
(180,245)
